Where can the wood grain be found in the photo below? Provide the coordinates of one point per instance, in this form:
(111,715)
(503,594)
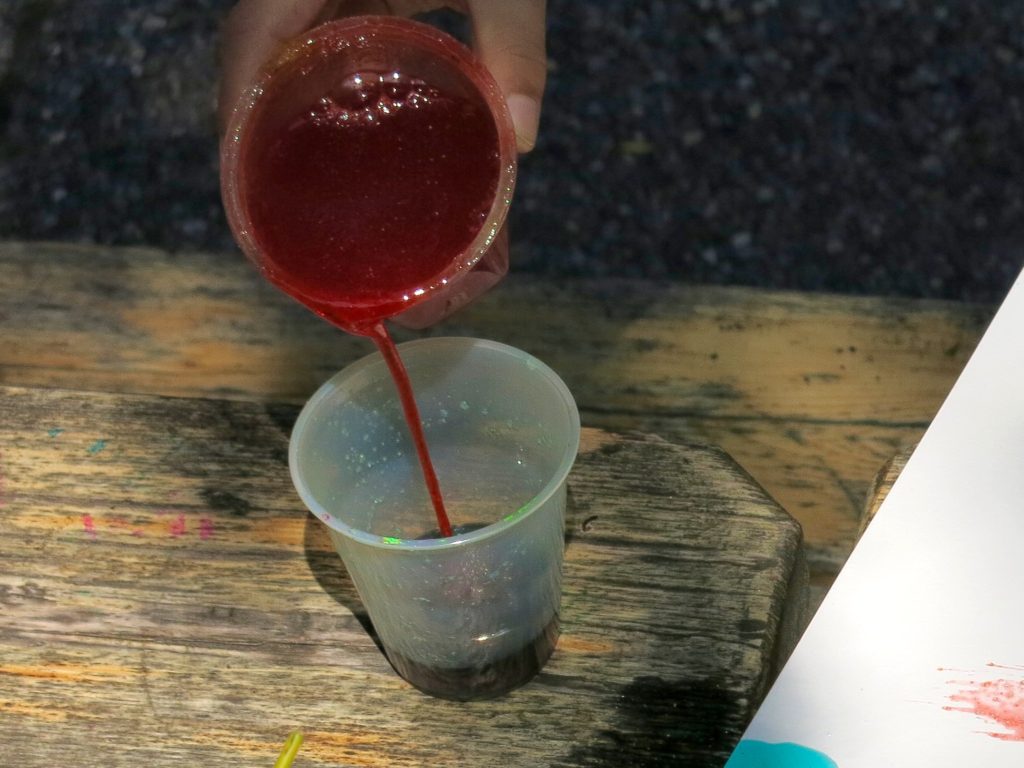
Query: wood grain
(165,600)
(883,483)
(810,393)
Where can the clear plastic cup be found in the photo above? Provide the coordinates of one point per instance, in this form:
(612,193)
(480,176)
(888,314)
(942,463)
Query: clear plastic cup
(476,614)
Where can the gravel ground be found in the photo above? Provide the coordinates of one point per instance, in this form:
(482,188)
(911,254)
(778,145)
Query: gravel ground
(861,147)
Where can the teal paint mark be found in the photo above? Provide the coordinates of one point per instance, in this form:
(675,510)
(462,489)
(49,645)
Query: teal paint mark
(760,754)
(54,431)
(96,447)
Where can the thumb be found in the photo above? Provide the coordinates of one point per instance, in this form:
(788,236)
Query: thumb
(253,31)
(509,38)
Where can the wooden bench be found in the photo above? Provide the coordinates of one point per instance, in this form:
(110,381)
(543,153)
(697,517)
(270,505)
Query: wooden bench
(161,579)
(166,599)
(810,394)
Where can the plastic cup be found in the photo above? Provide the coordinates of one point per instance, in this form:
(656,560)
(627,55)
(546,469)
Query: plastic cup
(367,49)
(476,614)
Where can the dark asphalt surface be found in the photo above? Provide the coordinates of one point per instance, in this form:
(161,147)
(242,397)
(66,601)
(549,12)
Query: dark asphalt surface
(860,147)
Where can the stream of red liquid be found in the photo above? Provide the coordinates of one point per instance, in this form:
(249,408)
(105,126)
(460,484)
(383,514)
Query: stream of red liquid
(386,345)
(362,199)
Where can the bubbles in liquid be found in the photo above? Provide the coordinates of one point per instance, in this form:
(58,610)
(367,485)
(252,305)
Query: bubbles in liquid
(365,98)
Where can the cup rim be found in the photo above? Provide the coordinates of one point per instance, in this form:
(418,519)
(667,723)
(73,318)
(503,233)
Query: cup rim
(396,544)
(379,27)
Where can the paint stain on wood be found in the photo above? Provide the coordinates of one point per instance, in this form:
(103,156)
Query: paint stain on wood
(96,447)
(177,528)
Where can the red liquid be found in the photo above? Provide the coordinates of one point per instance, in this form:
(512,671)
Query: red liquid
(361,198)
(384,343)
(367,194)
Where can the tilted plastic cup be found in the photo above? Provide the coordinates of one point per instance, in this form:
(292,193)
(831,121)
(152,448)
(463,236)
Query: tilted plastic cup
(324,57)
(474,615)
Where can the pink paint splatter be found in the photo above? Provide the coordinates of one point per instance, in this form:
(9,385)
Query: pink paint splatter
(205,528)
(90,525)
(999,701)
(177,526)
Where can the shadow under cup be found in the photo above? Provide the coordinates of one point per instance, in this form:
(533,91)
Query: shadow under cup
(476,614)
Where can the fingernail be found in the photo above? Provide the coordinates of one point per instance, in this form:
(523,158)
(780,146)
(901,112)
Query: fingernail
(525,112)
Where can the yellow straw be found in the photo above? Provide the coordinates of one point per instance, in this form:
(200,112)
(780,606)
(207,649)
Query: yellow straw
(290,749)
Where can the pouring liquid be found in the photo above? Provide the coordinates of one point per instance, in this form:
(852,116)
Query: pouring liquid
(363,197)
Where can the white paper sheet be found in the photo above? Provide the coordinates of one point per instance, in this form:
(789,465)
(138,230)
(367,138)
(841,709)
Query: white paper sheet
(916,656)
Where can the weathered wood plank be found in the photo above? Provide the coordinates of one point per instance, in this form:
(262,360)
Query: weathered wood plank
(821,469)
(200,324)
(883,483)
(809,393)
(165,600)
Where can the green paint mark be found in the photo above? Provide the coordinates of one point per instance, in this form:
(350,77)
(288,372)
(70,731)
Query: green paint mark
(519,512)
(390,540)
(96,447)
(760,754)
(54,431)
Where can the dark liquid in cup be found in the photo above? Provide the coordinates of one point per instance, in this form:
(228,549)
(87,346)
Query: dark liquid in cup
(483,682)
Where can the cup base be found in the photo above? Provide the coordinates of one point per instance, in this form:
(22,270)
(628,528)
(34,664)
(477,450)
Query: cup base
(483,682)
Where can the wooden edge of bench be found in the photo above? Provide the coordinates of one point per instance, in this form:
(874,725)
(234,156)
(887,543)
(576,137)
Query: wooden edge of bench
(881,486)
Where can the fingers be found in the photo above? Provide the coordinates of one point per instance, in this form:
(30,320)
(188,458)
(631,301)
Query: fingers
(253,31)
(509,37)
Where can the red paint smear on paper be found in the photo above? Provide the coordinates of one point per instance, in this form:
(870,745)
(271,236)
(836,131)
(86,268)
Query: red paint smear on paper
(999,701)
(89,524)
(205,528)
(177,527)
